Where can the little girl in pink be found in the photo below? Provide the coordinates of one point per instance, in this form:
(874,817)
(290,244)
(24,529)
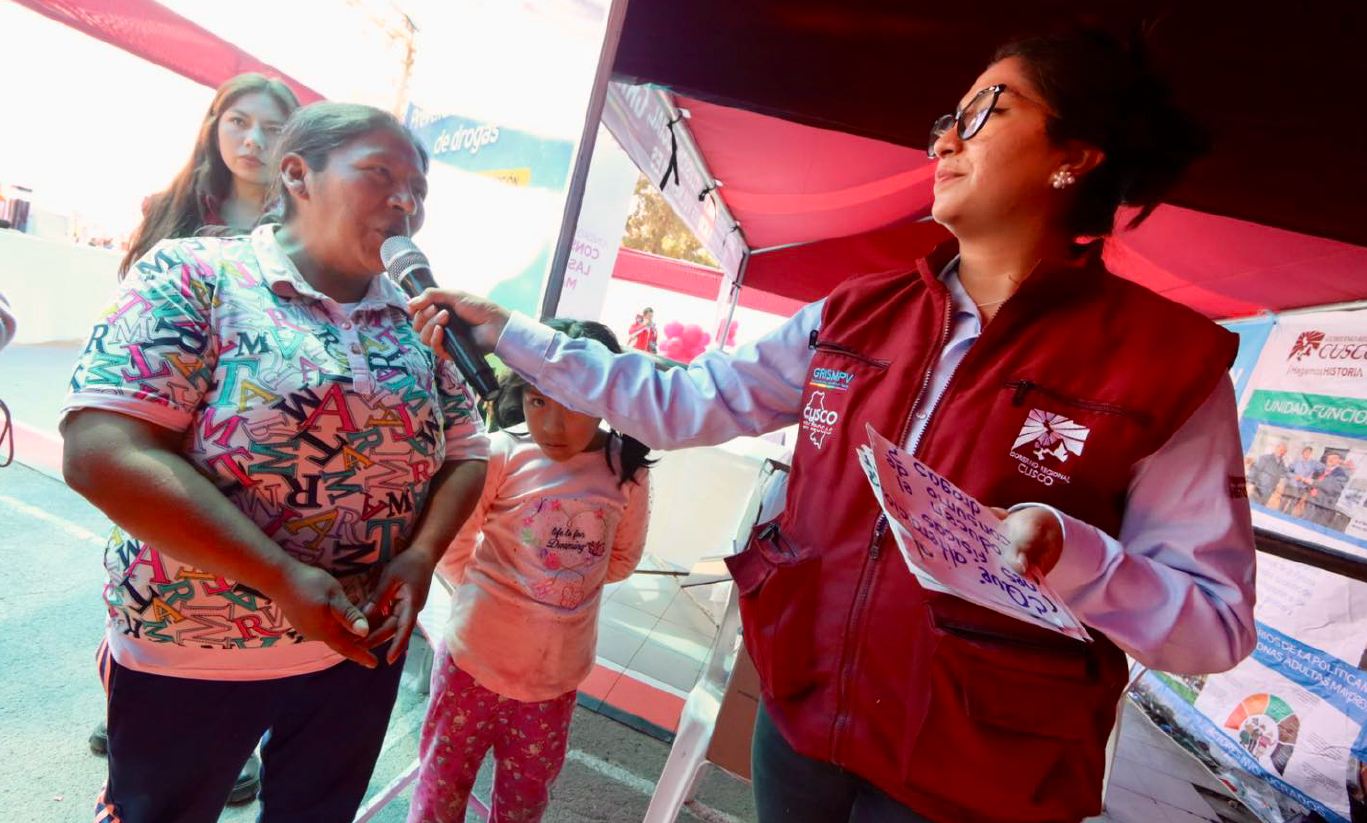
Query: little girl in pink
(564,511)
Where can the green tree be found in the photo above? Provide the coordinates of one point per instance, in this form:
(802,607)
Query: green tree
(654,227)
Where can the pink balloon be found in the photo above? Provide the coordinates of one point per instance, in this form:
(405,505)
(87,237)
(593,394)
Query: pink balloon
(706,338)
(673,328)
(692,333)
(674,349)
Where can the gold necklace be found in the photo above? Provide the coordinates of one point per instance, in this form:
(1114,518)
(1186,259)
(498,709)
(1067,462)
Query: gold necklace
(1014,281)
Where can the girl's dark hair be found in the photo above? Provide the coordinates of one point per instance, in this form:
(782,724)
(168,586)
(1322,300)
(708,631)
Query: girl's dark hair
(180,210)
(507,409)
(314,132)
(1104,92)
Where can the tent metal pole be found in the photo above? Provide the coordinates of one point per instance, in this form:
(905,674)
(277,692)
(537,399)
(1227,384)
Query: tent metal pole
(687,144)
(1352,305)
(574,198)
(1355,305)
(735,301)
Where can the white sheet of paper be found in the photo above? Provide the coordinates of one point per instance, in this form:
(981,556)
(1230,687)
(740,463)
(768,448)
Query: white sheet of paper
(954,542)
(866,462)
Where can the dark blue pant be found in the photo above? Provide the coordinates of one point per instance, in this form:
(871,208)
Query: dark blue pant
(793,788)
(176,745)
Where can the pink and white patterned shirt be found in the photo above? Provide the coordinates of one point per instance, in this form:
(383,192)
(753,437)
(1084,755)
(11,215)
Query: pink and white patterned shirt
(530,565)
(324,424)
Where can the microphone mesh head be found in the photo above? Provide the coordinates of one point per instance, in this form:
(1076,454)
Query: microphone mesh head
(399,254)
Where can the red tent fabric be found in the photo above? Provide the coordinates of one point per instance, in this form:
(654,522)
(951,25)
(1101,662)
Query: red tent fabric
(819,206)
(1248,229)
(809,271)
(1224,267)
(815,115)
(787,182)
(1271,82)
(159,35)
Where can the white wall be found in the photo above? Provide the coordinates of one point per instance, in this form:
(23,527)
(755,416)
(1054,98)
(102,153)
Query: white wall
(91,129)
(56,288)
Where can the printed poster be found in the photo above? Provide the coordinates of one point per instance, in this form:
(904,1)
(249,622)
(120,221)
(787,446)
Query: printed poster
(1285,728)
(499,94)
(1306,416)
(495,202)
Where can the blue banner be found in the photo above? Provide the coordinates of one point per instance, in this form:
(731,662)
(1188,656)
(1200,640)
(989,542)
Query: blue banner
(1338,683)
(508,258)
(488,148)
(1252,335)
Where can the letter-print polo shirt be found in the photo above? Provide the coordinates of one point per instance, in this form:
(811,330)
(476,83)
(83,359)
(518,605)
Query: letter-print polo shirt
(324,424)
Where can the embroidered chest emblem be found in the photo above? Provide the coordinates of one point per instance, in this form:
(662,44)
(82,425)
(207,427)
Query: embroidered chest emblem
(1048,440)
(832,379)
(818,420)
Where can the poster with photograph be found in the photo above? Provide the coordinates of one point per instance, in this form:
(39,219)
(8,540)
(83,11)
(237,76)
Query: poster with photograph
(1285,728)
(1289,718)
(1305,429)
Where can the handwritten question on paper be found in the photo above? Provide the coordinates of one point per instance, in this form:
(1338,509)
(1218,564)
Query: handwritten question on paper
(953,543)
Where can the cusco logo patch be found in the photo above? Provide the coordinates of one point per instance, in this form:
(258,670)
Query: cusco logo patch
(832,379)
(818,420)
(1048,435)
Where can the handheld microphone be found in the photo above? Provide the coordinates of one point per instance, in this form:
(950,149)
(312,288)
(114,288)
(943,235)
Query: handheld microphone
(408,267)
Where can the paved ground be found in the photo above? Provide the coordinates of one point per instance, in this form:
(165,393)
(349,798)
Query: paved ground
(33,381)
(51,619)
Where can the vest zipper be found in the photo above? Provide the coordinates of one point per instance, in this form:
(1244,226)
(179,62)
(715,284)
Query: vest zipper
(1024,387)
(925,386)
(814,344)
(880,527)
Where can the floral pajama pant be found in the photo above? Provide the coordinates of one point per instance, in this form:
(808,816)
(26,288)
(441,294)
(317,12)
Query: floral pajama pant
(463,722)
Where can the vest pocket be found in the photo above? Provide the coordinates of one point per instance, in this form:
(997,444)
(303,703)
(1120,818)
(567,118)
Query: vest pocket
(1022,389)
(778,589)
(832,347)
(1031,714)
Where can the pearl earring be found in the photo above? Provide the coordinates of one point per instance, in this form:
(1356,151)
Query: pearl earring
(1062,179)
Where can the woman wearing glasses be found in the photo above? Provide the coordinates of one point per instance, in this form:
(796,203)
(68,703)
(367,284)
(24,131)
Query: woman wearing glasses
(1012,362)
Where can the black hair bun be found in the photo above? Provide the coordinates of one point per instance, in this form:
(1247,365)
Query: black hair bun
(1105,91)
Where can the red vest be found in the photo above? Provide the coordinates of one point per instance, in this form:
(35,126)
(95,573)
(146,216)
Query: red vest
(959,712)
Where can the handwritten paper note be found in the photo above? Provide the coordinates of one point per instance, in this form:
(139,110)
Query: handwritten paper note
(953,543)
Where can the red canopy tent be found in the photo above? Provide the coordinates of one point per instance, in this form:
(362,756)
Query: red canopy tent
(814,115)
(159,35)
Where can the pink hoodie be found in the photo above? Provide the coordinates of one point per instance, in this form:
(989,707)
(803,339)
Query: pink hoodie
(530,564)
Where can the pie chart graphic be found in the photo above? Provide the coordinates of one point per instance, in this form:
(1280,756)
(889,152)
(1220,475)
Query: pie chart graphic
(1266,727)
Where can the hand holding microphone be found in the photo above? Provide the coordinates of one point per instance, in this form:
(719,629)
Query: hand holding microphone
(453,334)
(434,308)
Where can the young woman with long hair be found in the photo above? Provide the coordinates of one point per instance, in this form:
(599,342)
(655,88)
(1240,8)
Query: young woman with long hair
(224,182)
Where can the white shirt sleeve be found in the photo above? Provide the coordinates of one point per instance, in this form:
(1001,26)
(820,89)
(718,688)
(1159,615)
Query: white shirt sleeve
(720,395)
(1176,591)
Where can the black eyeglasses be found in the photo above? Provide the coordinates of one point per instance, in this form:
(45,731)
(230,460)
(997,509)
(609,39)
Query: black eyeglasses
(969,120)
